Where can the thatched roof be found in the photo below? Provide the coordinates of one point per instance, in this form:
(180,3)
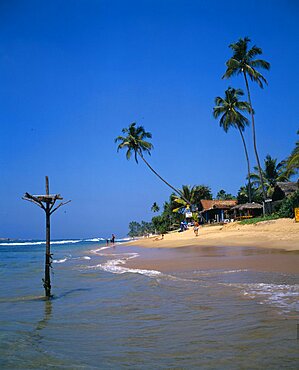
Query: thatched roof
(217,204)
(288,187)
(284,189)
(246,206)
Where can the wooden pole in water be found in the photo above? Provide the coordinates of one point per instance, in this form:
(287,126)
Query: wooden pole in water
(46,202)
(47,280)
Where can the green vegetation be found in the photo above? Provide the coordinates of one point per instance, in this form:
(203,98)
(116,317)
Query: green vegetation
(193,195)
(230,109)
(223,195)
(232,112)
(255,220)
(135,142)
(173,212)
(242,196)
(287,206)
(292,162)
(155,207)
(272,173)
(243,62)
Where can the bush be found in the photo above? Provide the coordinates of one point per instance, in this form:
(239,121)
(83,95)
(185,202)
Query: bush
(287,206)
(255,220)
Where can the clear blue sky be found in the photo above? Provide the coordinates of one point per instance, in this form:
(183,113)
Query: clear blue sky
(74,73)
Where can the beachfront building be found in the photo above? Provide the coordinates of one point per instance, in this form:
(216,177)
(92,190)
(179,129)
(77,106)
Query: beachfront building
(283,190)
(216,210)
(247,210)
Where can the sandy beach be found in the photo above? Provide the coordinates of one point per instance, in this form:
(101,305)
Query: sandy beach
(275,234)
(265,246)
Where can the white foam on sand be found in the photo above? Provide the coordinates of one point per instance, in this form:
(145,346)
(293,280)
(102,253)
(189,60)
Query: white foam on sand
(96,251)
(116,266)
(217,272)
(283,296)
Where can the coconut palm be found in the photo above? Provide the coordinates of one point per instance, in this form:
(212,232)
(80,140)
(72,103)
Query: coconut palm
(136,144)
(230,108)
(155,207)
(243,62)
(191,197)
(272,173)
(292,162)
(242,196)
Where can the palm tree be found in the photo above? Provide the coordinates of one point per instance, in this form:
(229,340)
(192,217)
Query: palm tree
(230,108)
(155,207)
(272,173)
(191,197)
(242,196)
(135,142)
(243,62)
(292,162)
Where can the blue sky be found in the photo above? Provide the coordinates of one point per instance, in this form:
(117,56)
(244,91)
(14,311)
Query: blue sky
(74,73)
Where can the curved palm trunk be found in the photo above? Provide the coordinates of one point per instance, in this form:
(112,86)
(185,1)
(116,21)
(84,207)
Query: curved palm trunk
(254,138)
(248,165)
(161,178)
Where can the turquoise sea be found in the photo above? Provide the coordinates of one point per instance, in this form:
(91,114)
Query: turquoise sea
(105,315)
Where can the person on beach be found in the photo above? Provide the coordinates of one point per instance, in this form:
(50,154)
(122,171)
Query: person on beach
(182,228)
(107,242)
(113,239)
(195,228)
(157,239)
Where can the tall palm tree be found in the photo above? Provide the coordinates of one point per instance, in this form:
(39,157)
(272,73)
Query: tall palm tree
(230,108)
(135,142)
(272,173)
(243,62)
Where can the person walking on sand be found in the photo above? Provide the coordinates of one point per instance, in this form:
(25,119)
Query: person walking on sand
(195,228)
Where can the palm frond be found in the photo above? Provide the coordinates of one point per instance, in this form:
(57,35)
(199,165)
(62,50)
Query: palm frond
(259,63)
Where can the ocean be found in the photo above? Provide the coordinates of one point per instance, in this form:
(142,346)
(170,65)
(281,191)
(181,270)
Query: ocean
(106,315)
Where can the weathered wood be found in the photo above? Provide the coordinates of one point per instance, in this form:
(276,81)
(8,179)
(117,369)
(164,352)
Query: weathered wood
(47,280)
(46,202)
(47,185)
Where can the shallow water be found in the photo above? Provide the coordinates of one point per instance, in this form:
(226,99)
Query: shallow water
(106,315)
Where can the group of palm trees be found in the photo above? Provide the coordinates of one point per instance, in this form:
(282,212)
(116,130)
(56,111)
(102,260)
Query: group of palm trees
(232,112)
(232,109)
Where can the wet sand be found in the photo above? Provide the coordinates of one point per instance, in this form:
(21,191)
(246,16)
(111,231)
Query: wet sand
(266,246)
(215,258)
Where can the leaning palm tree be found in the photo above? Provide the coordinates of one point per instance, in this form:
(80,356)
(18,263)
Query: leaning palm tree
(230,108)
(243,62)
(135,142)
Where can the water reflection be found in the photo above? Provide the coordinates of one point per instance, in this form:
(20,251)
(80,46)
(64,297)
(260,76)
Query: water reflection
(47,316)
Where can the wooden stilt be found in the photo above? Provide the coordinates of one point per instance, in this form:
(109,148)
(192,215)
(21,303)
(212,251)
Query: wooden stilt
(46,202)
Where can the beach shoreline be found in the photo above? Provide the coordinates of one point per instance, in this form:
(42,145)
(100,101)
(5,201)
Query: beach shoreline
(271,246)
(282,234)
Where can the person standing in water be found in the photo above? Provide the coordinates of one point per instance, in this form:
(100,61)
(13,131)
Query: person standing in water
(113,239)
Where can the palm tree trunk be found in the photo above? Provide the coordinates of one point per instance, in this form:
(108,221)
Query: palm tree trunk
(161,178)
(254,138)
(248,165)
